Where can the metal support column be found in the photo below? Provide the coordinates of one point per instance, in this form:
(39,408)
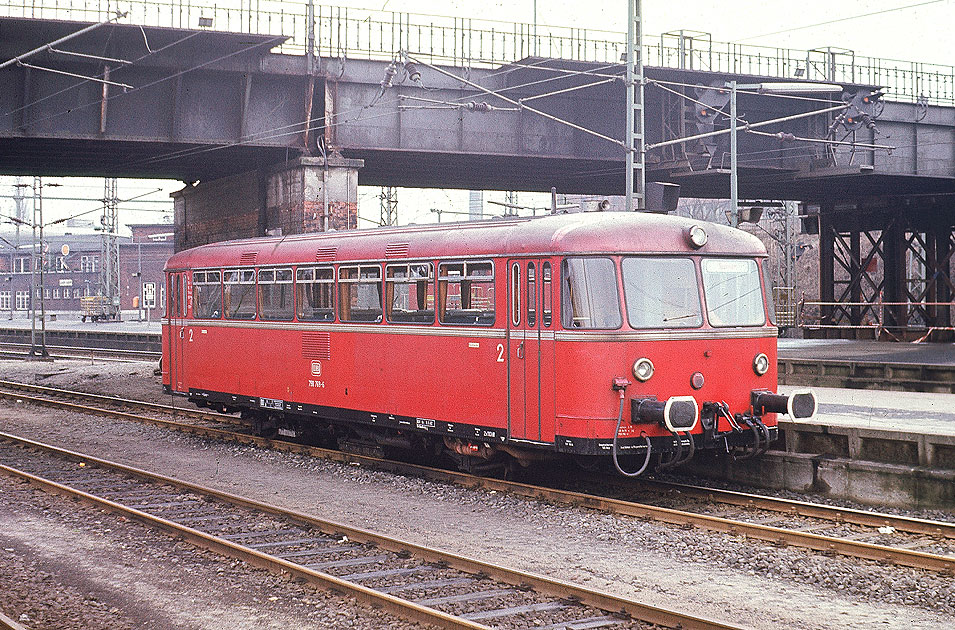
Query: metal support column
(827,245)
(109,248)
(389,206)
(893,260)
(636,166)
(855,276)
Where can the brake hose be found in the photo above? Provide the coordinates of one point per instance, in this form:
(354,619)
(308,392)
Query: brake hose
(613,451)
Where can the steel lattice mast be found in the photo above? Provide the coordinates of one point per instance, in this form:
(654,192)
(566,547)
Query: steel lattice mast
(109,249)
(636,173)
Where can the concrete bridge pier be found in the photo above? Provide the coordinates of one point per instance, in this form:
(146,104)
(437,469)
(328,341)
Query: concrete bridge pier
(307,194)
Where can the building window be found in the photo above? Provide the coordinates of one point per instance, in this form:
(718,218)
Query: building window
(61,264)
(88,264)
(23,300)
(4,300)
(21,265)
(41,293)
(56,293)
(77,293)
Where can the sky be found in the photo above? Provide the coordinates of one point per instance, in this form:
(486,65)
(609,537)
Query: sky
(896,29)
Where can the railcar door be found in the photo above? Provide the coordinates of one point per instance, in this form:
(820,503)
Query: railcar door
(177,313)
(530,350)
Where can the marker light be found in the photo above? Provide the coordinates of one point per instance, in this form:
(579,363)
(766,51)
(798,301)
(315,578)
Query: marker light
(696,236)
(643,369)
(761,364)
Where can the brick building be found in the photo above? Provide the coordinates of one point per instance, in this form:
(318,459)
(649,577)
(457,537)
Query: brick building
(72,268)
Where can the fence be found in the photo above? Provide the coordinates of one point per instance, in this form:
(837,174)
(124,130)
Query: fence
(348,32)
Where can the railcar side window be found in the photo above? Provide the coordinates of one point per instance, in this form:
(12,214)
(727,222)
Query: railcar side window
(409,293)
(546,296)
(661,293)
(206,294)
(275,294)
(768,292)
(734,296)
(531,295)
(239,293)
(359,298)
(315,293)
(590,298)
(466,293)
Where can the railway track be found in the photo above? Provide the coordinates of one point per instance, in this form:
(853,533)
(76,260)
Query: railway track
(22,350)
(900,540)
(417,582)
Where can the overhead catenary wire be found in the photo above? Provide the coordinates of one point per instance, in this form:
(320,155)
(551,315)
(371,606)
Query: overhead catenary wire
(856,16)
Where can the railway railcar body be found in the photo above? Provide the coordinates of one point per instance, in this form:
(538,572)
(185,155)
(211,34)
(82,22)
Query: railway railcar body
(634,338)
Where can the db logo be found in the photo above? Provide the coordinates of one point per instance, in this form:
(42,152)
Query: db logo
(316,368)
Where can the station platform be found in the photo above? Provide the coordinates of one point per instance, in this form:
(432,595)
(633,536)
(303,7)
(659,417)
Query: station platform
(70,320)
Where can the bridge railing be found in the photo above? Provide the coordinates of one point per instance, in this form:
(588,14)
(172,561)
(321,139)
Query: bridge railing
(350,32)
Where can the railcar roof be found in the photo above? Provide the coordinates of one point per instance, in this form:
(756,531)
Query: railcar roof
(584,232)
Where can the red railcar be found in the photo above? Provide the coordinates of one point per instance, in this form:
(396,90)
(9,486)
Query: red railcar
(591,334)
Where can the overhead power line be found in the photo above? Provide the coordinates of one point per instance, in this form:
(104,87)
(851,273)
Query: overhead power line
(844,19)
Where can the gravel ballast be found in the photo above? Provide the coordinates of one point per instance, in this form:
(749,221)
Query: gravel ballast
(728,578)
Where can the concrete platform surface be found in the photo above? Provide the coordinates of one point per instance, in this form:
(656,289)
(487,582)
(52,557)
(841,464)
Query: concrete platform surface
(869,351)
(909,412)
(70,320)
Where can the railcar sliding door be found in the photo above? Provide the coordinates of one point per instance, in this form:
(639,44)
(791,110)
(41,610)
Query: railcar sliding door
(177,313)
(530,351)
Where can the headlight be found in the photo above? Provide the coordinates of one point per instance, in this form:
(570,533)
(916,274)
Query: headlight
(643,369)
(761,364)
(696,235)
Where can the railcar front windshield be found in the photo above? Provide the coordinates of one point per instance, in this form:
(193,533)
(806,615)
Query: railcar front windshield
(661,293)
(734,294)
(590,294)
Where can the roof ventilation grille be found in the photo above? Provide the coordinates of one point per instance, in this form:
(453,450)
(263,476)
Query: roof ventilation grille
(325,254)
(396,250)
(248,258)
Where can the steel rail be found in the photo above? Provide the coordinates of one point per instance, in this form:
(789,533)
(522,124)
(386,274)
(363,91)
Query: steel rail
(769,533)
(82,352)
(9,624)
(557,588)
(811,510)
(838,514)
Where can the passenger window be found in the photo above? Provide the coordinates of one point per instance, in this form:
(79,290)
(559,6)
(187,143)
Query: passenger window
(546,295)
(207,294)
(516,294)
(275,294)
(531,296)
(238,295)
(590,298)
(466,293)
(409,293)
(315,292)
(359,297)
